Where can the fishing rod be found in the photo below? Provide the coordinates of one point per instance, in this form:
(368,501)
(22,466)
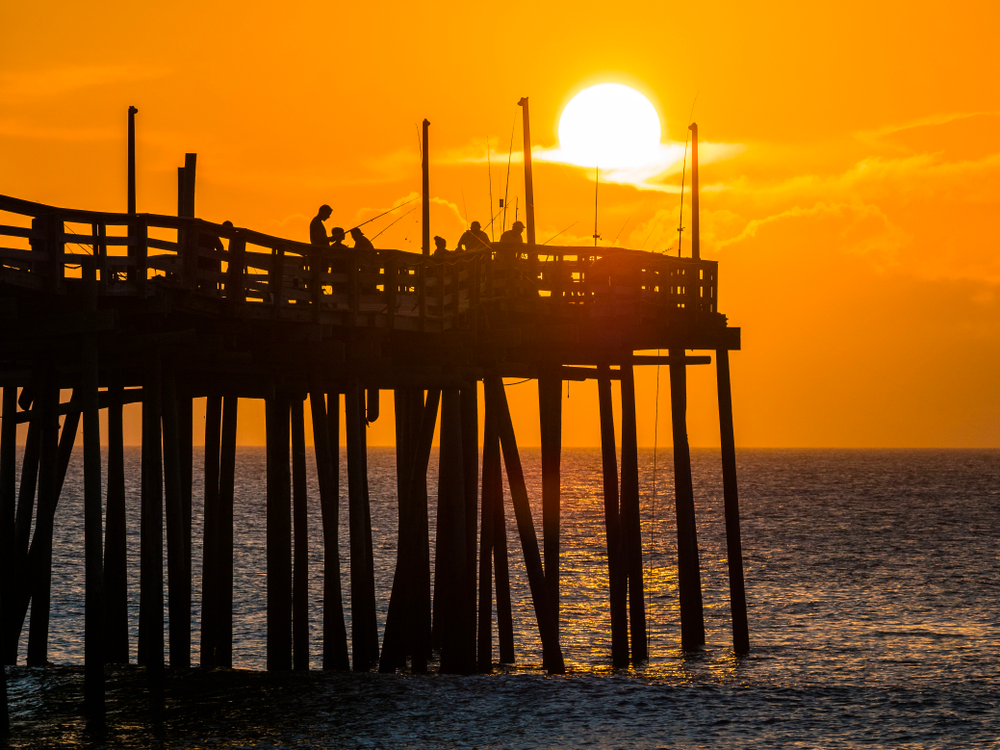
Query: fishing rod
(386,212)
(597,182)
(506,188)
(680,216)
(494,219)
(621,230)
(489,173)
(400,218)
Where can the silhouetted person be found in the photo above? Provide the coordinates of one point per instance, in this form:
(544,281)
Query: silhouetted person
(473,239)
(337,236)
(317,232)
(513,234)
(367,263)
(360,241)
(210,244)
(440,247)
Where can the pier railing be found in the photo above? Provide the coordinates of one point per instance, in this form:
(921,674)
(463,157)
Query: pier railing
(50,249)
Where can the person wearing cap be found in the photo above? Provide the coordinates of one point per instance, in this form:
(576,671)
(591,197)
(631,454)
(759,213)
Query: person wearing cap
(473,239)
(368,266)
(513,234)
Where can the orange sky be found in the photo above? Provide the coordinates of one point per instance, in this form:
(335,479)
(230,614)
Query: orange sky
(855,216)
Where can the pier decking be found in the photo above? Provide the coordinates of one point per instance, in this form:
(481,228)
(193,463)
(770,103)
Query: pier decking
(120,308)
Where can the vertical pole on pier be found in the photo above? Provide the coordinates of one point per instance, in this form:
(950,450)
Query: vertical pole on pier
(94,614)
(529,192)
(326,431)
(279,535)
(617,580)
(426,192)
(492,494)
(364,629)
(211,534)
(300,563)
(688,568)
(178,553)
(552,658)
(223,629)
(132,111)
(630,522)
(40,564)
(151,532)
(734,545)
(550,413)
(115,532)
(695,220)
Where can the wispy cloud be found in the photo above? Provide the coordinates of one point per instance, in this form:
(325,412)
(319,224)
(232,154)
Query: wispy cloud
(21,86)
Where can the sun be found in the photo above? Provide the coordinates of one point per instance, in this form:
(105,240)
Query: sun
(611,126)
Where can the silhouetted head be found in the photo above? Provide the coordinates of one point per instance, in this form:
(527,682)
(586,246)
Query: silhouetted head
(475,226)
(439,243)
(356,232)
(518,226)
(337,233)
(227,224)
(324,212)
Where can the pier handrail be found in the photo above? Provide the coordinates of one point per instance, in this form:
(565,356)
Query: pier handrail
(136,254)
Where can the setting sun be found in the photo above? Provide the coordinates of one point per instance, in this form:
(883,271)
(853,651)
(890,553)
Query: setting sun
(610,126)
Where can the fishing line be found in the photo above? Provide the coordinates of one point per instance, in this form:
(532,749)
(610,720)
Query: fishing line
(398,219)
(489,173)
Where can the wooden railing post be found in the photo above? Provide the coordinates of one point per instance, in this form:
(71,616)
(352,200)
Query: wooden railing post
(235,290)
(276,278)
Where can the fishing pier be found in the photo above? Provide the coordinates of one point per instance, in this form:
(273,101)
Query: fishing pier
(101,310)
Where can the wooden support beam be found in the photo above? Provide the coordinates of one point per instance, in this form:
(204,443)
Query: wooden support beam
(734,545)
(492,494)
(364,628)
(630,521)
(115,532)
(178,550)
(94,617)
(279,536)
(452,572)
(223,629)
(552,658)
(151,636)
(688,567)
(505,616)
(550,416)
(424,413)
(469,405)
(617,581)
(8,502)
(211,534)
(300,562)
(326,431)
(40,554)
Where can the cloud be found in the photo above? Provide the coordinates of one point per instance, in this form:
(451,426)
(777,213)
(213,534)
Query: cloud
(59,82)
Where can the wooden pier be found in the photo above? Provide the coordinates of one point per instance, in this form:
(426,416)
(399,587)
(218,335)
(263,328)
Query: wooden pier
(116,309)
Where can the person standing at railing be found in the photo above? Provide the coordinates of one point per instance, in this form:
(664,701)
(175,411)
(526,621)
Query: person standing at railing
(317,231)
(473,239)
(440,247)
(367,258)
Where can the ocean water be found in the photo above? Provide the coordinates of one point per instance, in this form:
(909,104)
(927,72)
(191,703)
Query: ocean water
(873,587)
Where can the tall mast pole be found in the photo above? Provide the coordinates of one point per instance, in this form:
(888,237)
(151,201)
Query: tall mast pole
(529,193)
(426,240)
(695,233)
(131,159)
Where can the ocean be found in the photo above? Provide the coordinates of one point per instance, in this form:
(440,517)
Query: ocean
(873,591)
